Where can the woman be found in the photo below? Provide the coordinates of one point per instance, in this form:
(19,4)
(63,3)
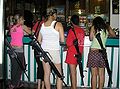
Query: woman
(17,34)
(40,71)
(71,60)
(50,35)
(95,61)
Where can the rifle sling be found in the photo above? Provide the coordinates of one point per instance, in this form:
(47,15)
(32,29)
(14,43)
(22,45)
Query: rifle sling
(76,46)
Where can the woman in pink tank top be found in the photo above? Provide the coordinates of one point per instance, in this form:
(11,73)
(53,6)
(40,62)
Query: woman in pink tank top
(17,34)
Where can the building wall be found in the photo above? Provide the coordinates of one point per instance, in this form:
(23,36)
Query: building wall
(1,38)
(114,18)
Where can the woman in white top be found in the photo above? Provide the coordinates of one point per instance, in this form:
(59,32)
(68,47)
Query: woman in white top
(51,33)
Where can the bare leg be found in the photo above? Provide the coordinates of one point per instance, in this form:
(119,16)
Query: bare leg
(101,77)
(59,81)
(47,71)
(94,73)
(43,85)
(73,76)
(39,83)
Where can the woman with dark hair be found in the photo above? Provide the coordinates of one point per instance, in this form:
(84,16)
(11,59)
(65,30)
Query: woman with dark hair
(71,60)
(40,71)
(51,33)
(95,60)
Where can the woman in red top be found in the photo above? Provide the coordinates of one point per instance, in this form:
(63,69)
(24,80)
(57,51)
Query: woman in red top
(71,60)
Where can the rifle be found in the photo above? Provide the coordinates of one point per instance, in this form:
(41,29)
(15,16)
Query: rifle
(78,56)
(13,54)
(104,55)
(36,45)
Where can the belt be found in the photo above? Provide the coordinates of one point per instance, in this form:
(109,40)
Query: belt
(17,46)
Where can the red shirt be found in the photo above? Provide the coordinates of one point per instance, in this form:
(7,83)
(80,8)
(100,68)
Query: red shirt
(70,59)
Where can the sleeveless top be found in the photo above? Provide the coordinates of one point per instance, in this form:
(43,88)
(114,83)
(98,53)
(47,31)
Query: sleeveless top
(95,43)
(50,37)
(17,35)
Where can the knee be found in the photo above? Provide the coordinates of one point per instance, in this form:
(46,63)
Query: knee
(94,74)
(102,76)
(46,75)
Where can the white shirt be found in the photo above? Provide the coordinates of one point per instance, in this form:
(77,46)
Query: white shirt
(50,37)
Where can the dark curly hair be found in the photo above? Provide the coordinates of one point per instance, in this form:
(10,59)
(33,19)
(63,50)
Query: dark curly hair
(99,24)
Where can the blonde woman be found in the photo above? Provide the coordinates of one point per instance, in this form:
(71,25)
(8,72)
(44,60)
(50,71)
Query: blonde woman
(17,34)
(51,33)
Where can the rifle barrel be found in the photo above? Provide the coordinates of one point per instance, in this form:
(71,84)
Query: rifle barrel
(35,44)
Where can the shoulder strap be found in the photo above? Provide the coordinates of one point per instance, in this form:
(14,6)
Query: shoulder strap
(55,24)
(99,40)
(75,42)
(74,32)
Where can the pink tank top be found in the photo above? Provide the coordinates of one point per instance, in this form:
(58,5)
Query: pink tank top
(17,35)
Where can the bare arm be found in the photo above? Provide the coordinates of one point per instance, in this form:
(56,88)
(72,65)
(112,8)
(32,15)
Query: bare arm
(111,32)
(39,38)
(92,32)
(59,28)
(26,29)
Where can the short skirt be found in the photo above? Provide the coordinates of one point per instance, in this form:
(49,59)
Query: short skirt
(95,59)
(54,56)
(70,58)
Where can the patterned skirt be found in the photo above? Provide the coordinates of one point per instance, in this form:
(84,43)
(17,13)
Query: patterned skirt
(95,59)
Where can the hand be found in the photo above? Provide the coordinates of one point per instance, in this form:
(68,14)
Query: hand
(79,58)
